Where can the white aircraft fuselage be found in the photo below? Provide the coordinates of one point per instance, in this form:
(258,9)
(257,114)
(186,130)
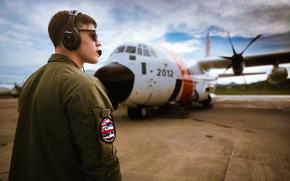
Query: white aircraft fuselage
(141,75)
(153,77)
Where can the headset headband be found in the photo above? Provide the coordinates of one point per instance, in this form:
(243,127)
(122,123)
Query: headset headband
(72,15)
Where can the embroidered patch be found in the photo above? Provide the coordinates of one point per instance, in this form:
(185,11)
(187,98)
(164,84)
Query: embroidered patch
(108,132)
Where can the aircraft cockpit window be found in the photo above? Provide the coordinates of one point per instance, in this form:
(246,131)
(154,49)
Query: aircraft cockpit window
(152,52)
(131,49)
(120,49)
(144,46)
(146,52)
(139,51)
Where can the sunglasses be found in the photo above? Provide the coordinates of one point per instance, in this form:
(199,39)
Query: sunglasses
(92,34)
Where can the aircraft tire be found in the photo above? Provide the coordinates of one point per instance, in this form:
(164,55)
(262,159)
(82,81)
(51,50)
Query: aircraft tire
(137,113)
(207,103)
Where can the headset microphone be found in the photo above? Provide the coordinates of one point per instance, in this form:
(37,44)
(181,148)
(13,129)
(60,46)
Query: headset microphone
(99,52)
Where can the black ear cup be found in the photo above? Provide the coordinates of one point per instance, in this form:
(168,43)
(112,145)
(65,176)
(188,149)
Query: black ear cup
(70,37)
(69,34)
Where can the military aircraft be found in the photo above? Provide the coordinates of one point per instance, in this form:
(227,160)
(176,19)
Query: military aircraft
(143,76)
(9,90)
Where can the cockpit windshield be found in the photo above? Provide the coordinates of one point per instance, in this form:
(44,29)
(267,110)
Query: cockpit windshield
(141,49)
(120,49)
(131,49)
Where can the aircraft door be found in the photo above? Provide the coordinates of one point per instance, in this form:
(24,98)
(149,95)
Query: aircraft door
(144,82)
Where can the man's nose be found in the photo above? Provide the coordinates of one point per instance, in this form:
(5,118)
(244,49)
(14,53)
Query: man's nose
(98,43)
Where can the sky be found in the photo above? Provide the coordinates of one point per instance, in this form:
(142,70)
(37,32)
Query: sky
(180,26)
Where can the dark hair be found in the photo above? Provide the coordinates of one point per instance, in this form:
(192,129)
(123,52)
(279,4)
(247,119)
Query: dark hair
(60,19)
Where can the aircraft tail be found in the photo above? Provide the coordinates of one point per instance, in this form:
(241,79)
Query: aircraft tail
(207,46)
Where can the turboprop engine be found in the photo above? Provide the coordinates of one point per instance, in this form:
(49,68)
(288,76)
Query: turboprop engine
(277,75)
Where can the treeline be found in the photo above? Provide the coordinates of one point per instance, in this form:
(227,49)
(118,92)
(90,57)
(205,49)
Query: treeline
(256,88)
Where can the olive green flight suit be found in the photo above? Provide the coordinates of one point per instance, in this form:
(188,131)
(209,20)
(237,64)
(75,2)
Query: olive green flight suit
(58,136)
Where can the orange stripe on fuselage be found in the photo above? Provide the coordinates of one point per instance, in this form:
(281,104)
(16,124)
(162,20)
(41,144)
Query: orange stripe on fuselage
(186,78)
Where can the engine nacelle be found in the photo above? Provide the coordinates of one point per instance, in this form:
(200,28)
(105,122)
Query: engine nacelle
(238,67)
(277,75)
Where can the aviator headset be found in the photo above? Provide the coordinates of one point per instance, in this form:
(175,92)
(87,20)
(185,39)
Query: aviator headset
(69,34)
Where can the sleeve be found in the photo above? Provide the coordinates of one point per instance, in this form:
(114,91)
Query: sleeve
(84,107)
(85,135)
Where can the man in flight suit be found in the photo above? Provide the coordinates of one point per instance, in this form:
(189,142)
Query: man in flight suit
(65,128)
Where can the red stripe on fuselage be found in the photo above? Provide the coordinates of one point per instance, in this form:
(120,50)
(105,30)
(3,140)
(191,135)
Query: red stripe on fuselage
(187,81)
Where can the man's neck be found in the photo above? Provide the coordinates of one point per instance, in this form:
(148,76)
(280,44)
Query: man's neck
(71,55)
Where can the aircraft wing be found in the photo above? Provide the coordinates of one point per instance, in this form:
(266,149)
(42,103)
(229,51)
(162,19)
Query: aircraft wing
(268,59)
(205,65)
(202,78)
(250,61)
(232,75)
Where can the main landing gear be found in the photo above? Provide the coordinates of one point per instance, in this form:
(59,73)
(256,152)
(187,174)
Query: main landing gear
(206,103)
(183,109)
(139,112)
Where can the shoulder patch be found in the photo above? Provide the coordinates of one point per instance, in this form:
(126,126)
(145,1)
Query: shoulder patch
(107,130)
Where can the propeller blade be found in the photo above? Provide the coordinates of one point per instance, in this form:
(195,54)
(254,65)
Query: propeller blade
(229,58)
(227,68)
(234,51)
(253,40)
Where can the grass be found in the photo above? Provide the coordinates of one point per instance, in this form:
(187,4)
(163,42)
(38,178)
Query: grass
(258,88)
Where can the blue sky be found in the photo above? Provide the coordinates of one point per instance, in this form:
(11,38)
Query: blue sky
(180,26)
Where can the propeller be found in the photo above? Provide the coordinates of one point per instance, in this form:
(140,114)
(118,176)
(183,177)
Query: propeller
(238,57)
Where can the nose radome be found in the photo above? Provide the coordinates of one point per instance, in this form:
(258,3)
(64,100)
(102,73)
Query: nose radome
(117,79)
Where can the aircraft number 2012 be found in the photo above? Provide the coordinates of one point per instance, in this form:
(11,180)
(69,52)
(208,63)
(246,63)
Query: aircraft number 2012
(164,72)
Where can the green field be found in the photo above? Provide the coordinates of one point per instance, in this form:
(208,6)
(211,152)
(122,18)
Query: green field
(258,88)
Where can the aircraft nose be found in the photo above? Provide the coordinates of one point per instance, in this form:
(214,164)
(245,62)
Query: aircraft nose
(118,80)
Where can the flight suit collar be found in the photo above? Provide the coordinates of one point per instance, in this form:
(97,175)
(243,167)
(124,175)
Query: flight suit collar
(61,58)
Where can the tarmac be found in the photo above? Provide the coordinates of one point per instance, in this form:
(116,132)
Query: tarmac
(240,138)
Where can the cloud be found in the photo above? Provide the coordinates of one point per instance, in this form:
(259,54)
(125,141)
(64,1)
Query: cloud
(24,40)
(181,47)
